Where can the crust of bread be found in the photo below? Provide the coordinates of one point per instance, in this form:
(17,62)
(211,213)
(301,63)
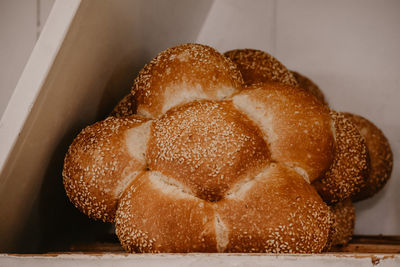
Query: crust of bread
(98,166)
(258,66)
(208,146)
(280,213)
(155,215)
(182,74)
(380,156)
(350,166)
(295,124)
(211,166)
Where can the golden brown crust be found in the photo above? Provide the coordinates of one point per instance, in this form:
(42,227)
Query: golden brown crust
(309,86)
(155,216)
(125,107)
(350,167)
(296,125)
(257,66)
(206,157)
(280,213)
(380,155)
(97,164)
(219,168)
(182,74)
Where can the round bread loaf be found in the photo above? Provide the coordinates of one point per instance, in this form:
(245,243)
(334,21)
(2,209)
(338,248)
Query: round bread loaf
(217,176)
(380,156)
(350,167)
(215,166)
(343,221)
(309,86)
(258,66)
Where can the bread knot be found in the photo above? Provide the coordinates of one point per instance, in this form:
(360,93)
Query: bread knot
(198,159)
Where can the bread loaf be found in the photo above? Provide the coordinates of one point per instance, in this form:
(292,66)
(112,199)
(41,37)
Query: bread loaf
(214,167)
(216,176)
(196,159)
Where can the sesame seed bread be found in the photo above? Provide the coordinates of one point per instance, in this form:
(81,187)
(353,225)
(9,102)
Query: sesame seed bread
(209,164)
(380,156)
(350,165)
(296,126)
(98,166)
(279,213)
(207,157)
(181,74)
(237,223)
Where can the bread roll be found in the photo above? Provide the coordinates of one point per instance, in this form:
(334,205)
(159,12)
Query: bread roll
(350,167)
(99,164)
(297,126)
(380,156)
(209,176)
(207,146)
(215,166)
(181,74)
(156,215)
(280,213)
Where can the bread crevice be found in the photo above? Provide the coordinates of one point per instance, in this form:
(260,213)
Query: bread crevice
(302,172)
(136,140)
(169,185)
(221,233)
(256,113)
(238,191)
(124,183)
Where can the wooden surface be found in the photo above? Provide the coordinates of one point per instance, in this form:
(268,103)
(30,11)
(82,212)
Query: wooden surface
(372,244)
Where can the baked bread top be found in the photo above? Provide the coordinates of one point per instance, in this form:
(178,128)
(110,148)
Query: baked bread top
(210,163)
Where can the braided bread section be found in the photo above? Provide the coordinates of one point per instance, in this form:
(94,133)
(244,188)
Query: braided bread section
(211,165)
(101,161)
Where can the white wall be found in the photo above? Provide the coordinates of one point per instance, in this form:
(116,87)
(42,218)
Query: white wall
(20,24)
